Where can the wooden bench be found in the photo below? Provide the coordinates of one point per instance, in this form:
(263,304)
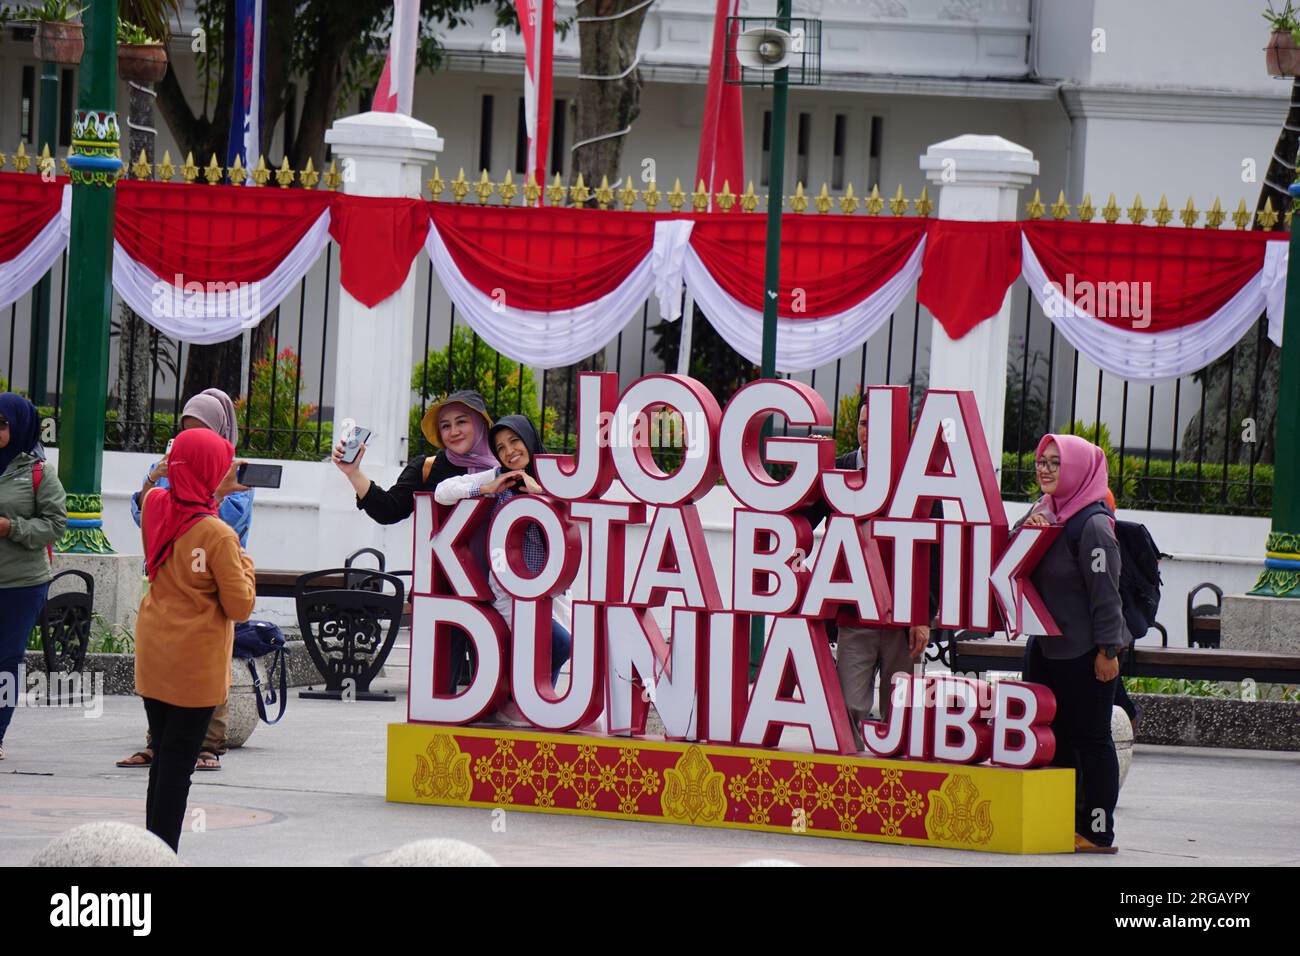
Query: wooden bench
(1192,663)
(277,583)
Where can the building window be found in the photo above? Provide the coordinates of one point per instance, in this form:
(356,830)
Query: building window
(521,141)
(802,142)
(485,132)
(765,156)
(873,161)
(837,151)
(558,138)
(290,120)
(67,95)
(29,95)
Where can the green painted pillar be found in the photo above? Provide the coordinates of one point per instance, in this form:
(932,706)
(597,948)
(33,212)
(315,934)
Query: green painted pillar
(48,135)
(1281,576)
(94,162)
(772,271)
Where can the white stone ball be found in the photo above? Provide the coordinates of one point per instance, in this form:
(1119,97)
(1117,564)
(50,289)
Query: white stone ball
(438,852)
(1121,730)
(106,843)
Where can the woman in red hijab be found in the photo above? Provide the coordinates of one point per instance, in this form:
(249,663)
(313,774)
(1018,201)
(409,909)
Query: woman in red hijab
(200,583)
(1080,587)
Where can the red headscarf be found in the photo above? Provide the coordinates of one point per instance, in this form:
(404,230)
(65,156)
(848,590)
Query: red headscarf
(198,461)
(1082,480)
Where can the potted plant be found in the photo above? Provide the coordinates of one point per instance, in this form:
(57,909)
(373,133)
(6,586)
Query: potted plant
(140,57)
(1282,55)
(59,38)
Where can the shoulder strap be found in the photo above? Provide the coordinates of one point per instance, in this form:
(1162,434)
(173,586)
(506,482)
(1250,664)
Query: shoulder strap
(1074,526)
(427,468)
(38,472)
(270,698)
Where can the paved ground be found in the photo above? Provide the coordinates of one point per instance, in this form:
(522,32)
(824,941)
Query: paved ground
(310,791)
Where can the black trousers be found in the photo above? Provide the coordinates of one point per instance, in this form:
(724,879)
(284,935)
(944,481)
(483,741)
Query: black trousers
(177,734)
(1083,740)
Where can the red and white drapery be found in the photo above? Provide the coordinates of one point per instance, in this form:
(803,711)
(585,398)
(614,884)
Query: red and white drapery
(549,286)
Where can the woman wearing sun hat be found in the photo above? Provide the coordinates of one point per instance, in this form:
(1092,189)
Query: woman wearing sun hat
(457,427)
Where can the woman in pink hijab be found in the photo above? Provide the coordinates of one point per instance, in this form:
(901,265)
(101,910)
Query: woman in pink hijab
(1078,580)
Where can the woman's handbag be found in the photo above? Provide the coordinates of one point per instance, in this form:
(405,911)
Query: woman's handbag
(254,639)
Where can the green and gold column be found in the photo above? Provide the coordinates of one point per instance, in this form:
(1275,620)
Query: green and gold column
(1281,577)
(94,161)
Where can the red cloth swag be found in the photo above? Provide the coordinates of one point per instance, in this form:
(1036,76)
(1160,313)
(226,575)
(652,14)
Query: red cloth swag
(378,239)
(27,204)
(1184,275)
(967,269)
(836,262)
(213,233)
(544,259)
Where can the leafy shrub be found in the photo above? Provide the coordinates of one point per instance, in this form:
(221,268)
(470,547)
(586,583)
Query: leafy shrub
(272,423)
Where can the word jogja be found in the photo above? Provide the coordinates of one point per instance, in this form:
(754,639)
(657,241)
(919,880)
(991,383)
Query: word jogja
(872,568)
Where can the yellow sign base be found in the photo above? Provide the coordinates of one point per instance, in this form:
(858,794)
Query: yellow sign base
(858,798)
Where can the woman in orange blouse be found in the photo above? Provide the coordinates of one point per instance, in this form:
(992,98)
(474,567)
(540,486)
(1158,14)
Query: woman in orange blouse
(200,583)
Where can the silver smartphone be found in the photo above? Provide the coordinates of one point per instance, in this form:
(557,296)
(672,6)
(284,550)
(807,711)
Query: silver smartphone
(357,437)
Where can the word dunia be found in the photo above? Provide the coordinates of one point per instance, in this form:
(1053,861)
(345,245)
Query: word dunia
(872,568)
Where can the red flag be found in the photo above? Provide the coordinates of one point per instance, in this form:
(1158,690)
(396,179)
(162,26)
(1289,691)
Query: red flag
(394,94)
(537,23)
(722,140)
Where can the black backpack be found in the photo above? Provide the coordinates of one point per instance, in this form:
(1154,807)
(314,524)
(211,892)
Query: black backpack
(1139,575)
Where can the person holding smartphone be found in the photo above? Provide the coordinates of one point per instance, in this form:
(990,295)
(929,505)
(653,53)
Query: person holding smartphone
(516,445)
(213,410)
(457,428)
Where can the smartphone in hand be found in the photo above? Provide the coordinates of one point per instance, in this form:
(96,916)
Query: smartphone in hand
(352,443)
(256,475)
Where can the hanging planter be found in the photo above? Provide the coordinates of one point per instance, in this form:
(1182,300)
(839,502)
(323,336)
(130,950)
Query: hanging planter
(141,62)
(59,42)
(1282,55)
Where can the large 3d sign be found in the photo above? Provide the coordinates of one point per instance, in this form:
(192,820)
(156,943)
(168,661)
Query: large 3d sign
(927,492)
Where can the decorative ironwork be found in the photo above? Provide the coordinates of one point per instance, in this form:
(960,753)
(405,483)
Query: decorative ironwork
(1137,212)
(923,205)
(676,198)
(1034,208)
(1060,208)
(1190,214)
(65,625)
(798,202)
(874,204)
(349,632)
(1267,217)
(898,205)
(508,189)
(483,188)
(604,195)
(848,202)
(1162,213)
(1214,218)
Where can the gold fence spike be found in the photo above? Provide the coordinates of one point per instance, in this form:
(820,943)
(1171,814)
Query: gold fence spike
(604,195)
(1214,218)
(45,151)
(1286,220)
(435,184)
(1241,217)
(1035,208)
(898,205)
(823,202)
(64,169)
(1060,208)
(284,175)
(700,198)
(333,180)
(166,169)
(924,205)
(1137,213)
(261,173)
(45,165)
(3,160)
(627,195)
(213,171)
(874,203)
(508,189)
(1267,217)
(676,198)
(848,202)
(749,199)
(1086,209)
(1189,215)
(532,191)
(556,192)
(483,188)
(726,199)
(237,173)
(309,177)
(651,197)
(459,187)
(798,202)
(1110,211)
(21,159)
(1162,213)
(579,193)
(189,172)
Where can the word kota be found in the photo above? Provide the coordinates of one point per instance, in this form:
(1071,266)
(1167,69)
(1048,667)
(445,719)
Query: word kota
(933,489)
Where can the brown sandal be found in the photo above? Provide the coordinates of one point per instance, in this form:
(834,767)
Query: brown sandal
(208,761)
(1084,845)
(145,758)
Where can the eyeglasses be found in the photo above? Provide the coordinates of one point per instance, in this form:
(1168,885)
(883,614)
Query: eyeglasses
(1048,464)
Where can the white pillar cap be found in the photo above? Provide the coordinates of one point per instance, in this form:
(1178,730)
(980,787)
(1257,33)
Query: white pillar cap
(979,160)
(385,136)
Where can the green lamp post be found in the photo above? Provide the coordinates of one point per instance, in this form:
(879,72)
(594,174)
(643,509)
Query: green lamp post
(782,52)
(1281,575)
(94,163)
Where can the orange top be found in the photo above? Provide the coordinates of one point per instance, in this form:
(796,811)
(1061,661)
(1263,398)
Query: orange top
(185,631)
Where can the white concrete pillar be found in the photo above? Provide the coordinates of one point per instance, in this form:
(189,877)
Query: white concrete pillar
(979,180)
(380,154)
